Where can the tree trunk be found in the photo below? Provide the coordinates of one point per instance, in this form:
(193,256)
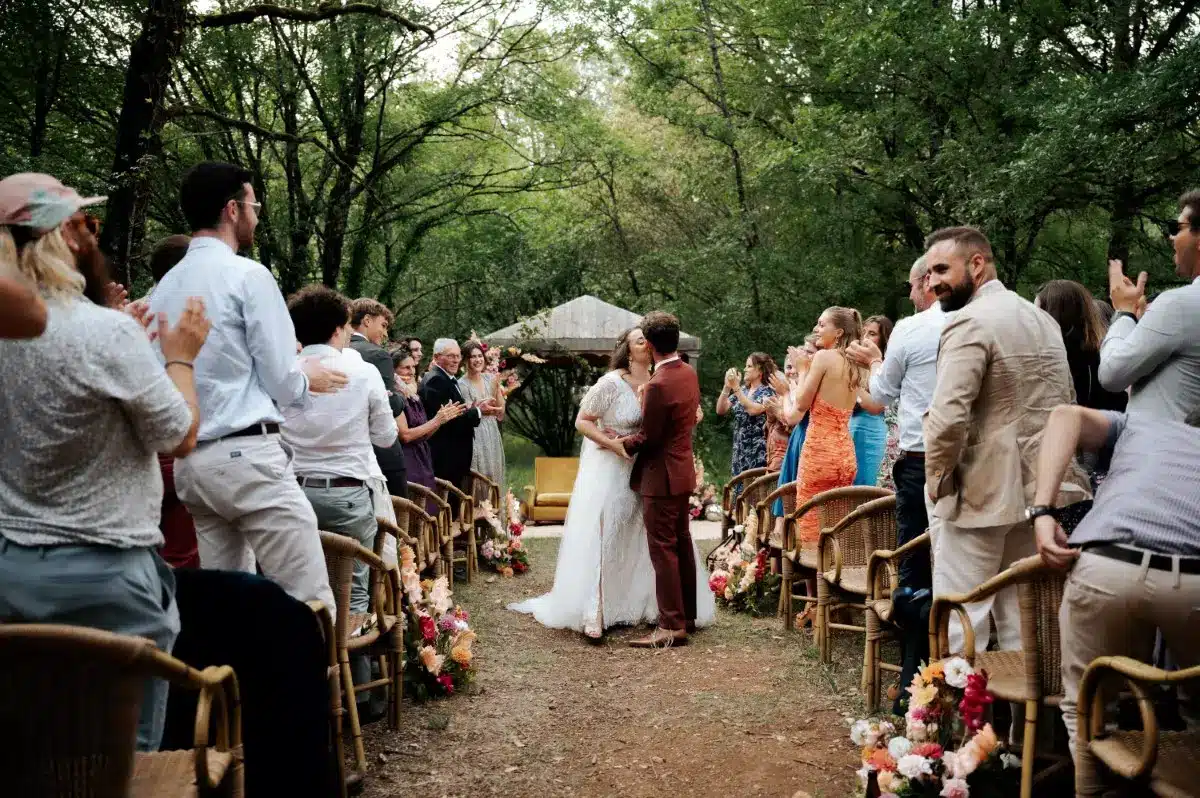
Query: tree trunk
(150,57)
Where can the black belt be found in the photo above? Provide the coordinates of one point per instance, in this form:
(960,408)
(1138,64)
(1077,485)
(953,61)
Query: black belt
(330,482)
(261,428)
(1159,562)
(915,455)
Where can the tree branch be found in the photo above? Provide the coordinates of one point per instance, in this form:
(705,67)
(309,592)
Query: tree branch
(321,13)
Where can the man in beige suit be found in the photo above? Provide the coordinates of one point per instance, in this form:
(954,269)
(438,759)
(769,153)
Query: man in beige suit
(1001,369)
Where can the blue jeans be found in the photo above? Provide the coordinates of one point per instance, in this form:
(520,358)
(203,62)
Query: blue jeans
(125,591)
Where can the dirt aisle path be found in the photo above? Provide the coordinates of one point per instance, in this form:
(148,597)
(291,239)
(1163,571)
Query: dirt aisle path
(744,711)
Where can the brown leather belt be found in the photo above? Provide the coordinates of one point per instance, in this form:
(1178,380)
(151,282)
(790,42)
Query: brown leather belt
(329,482)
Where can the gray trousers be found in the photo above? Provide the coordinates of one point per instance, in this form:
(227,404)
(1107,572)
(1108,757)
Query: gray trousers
(125,591)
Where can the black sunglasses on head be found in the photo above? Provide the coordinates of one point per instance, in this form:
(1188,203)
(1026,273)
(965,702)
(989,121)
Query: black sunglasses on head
(1173,227)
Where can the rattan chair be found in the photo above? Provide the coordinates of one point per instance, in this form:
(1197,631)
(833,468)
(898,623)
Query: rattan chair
(70,699)
(747,505)
(429,555)
(883,580)
(384,639)
(786,493)
(730,508)
(1163,763)
(325,623)
(461,528)
(844,551)
(802,562)
(1032,676)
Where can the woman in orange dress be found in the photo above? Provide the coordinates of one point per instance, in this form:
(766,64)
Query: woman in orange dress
(828,391)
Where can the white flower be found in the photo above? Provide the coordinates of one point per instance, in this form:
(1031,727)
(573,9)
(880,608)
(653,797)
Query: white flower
(955,788)
(887,729)
(1010,761)
(916,730)
(957,670)
(439,596)
(858,732)
(914,767)
(899,747)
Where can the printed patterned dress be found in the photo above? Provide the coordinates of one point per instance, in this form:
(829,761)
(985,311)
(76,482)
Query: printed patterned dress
(750,434)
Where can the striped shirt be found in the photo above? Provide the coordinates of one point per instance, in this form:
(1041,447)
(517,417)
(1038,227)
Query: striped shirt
(1149,498)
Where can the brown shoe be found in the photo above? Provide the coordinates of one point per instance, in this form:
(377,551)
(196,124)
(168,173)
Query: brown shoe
(661,638)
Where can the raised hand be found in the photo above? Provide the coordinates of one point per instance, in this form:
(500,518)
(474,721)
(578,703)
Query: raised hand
(1124,293)
(779,384)
(116,296)
(322,379)
(183,341)
(864,353)
(449,412)
(732,379)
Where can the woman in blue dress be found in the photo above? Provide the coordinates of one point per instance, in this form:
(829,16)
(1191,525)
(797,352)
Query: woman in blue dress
(749,406)
(868,427)
(795,368)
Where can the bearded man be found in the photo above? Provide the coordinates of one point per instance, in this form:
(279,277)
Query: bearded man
(238,484)
(1001,370)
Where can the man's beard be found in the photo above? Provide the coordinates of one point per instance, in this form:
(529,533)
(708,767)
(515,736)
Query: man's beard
(245,236)
(957,297)
(92,264)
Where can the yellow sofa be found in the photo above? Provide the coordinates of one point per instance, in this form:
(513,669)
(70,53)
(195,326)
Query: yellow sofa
(547,498)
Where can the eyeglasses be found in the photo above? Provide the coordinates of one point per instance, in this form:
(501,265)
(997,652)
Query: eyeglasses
(257,206)
(1174,226)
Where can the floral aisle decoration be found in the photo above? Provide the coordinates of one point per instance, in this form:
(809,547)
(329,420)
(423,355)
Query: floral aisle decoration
(500,550)
(703,501)
(946,748)
(742,580)
(438,641)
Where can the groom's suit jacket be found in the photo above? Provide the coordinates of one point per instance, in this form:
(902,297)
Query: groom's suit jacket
(665,466)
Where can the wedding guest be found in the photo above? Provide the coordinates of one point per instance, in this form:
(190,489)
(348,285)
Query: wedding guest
(179,532)
(238,484)
(415,349)
(798,422)
(868,424)
(1079,318)
(78,534)
(748,407)
(452,444)
(1158,354)
(416,428)
(778,430)
(371,320)
(1135,557)
(1001,369)
(476,385)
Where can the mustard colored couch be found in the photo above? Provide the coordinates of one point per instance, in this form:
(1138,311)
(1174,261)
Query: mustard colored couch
(547,498)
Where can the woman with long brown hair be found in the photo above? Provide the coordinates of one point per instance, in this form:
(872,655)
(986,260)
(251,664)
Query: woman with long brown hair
(868,426)
(749,404)
(1078,316)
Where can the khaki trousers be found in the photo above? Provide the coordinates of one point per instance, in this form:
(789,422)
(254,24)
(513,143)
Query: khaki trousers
(966,558)
(243,495)
(1113,608)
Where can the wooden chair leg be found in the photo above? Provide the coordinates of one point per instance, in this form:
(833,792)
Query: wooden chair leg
(869,674)
(360,755)
(470,554)
(396,690)
(1029,748)
(785,595)
(821,623)
(335,727)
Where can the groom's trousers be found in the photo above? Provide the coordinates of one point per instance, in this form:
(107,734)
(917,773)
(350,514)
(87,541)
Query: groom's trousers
(668,531)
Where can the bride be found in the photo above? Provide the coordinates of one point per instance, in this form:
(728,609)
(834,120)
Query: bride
(604,576)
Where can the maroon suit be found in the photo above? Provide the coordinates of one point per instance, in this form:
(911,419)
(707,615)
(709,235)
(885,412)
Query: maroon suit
(665,476)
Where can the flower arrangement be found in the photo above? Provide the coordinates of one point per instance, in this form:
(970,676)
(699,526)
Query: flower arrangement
(742,581)
(438,635)
(946,705)
(504,552)
(498,364)
(704,496)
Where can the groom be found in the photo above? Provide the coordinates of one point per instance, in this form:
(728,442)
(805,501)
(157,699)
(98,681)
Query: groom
(665,477)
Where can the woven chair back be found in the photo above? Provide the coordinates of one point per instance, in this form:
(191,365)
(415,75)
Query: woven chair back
(339,563)
(1040,598)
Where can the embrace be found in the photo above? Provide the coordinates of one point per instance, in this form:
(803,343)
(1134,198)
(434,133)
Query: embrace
(627,555)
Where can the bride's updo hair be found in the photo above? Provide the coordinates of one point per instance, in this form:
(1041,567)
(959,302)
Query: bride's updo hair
(619,359)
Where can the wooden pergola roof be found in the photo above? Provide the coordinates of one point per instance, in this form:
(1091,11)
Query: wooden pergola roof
(586,326)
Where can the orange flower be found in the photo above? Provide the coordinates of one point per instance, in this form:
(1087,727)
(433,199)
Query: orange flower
(985,741)
(882,760)
(932,671)
(506,571)
(462,655)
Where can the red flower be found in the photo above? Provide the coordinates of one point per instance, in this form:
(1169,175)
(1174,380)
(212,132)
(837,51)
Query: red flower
(447,683)
(760,565)
(717,584)
(975,700)
(515,529)
(483,345)
(928,750)
(694,512)
(519,566)
(428,629)
(503,364)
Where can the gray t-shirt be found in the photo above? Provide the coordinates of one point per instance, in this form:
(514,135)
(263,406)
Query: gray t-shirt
(1149,498)
(83,409)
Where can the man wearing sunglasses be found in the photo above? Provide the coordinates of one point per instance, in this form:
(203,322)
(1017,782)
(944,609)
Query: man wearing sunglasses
(239,484)
(1158,355)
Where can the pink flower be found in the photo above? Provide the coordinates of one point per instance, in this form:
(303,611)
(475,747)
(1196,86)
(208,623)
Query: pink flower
(974,701)
(928,750)
(717,583)
(428,629)
(955,788)
(447,683)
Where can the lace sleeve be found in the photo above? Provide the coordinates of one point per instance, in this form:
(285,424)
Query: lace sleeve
(599,397)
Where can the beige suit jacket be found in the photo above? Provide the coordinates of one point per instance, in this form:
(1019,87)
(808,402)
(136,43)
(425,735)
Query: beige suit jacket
(1001,369)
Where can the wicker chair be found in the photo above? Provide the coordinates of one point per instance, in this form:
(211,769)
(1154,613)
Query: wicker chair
(801,562)
(1032,676)
(844,551)
(1164,763)
(384,639)
(434,535)
(462,527)
(730,507)
(766,516)
(70,699)
(747,505)
(325,622)
(883,579)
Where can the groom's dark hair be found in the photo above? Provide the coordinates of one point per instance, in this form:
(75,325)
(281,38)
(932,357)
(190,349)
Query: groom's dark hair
(662,331)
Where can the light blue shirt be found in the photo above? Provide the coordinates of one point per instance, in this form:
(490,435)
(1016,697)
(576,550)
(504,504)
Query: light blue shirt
(1159,356)
(909,372)
(247,368)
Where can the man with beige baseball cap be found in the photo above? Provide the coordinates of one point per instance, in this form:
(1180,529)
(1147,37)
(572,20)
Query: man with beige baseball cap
(83,410)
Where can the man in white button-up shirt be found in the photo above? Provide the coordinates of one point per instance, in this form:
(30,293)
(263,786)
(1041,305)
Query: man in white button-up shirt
(238,484)
(333,436)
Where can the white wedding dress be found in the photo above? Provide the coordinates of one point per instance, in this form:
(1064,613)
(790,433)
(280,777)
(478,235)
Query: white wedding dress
(604,575)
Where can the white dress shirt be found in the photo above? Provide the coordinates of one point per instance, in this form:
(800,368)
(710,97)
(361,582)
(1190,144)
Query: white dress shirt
(333,435)
(247,368)
(909,372)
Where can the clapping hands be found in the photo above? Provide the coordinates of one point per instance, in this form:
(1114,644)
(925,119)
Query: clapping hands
(1126,296)
(449,412)
(864,353)
(733,379)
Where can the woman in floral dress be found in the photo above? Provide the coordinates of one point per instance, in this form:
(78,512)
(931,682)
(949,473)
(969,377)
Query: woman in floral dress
(748,405)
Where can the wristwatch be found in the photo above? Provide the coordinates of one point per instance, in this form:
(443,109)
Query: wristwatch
(1038,510)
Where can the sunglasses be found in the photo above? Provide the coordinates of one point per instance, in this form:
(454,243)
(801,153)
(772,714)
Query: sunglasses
(92,224)
(1173,227)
